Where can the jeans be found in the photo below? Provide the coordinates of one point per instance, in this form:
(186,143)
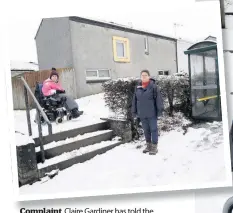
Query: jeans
(150,129)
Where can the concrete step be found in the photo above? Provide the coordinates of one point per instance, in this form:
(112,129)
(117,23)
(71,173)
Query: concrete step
(72,133)
(67,160)
(54,149)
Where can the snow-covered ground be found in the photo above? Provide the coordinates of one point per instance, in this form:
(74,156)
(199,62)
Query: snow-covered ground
(77,152)
(71,140)
(194,158)
(93,107)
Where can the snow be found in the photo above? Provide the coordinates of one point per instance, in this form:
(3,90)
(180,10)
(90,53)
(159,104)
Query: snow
(170,123)
(120,115)
(22,140)
(21,65)
(92,114)
(126,79)
(71,140)
(77,152)
(194,158)
(53,172)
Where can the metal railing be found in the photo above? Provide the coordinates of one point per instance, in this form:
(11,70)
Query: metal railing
(41,112)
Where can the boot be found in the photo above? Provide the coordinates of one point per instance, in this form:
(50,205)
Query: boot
(76,113)
(148,148)
(154,149)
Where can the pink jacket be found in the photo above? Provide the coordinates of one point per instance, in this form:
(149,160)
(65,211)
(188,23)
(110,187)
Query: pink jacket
(50,87)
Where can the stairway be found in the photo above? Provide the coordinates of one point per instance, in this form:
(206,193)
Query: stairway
(67,148)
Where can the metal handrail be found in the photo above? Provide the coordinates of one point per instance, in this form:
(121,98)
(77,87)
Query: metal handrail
(39,111)
(35,100)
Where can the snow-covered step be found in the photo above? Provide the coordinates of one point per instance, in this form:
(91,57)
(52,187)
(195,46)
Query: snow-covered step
(72,133)
(57,148)
(81,155)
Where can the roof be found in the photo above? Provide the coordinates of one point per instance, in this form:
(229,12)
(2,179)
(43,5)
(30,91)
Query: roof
(38,29)
(202,46)
(24,66)
(113,25)
(211,38)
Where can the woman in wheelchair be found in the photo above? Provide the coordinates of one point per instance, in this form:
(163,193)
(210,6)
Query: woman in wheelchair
(53,90)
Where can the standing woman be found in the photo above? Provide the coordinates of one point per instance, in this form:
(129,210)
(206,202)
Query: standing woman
(148,106)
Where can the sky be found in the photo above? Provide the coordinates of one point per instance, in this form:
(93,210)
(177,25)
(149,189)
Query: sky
(197,20)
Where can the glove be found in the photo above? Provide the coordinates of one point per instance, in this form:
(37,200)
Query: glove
(60,91)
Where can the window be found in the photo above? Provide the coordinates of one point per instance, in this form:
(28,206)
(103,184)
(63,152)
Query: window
(121,49)
(98,75)
(146,46)
(163,72)
(166,72)
(104,73)
(90,73)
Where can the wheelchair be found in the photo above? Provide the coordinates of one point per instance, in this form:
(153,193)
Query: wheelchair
(53,105)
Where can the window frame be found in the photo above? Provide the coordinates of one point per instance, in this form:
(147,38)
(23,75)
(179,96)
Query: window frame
(146,45)
(164,72)
(125,41)
(97,78)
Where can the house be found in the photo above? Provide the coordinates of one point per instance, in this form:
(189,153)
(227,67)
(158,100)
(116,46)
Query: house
(211,38)
(99,51)
(19,67)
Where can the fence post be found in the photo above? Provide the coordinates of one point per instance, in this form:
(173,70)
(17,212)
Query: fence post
(40,137)
(27,112)
(50,129)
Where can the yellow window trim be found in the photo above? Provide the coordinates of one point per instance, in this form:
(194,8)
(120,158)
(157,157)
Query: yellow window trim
(127,51)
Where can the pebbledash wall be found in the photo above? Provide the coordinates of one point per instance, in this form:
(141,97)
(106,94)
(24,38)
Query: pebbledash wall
(88,46)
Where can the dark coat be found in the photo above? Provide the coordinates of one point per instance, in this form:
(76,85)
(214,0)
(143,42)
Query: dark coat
(147,102)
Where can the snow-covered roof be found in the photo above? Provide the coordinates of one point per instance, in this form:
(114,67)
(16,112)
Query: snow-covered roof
(207,39)
(21,65)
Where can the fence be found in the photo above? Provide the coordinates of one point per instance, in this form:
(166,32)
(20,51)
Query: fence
(66,76)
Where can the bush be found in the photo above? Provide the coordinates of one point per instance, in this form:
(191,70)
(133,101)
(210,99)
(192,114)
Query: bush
(118,96)
(168,123)
(174,88)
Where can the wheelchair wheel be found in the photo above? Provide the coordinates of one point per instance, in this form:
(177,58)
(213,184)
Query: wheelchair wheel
(59,120)
(69,117)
